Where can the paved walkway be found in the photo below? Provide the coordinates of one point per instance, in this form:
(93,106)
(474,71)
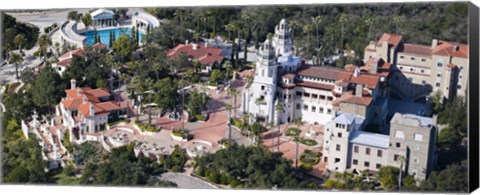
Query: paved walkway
(186,181)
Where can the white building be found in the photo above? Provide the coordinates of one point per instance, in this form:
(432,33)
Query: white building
(348,147)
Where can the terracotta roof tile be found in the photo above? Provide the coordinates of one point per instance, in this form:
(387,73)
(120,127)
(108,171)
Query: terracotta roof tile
(288,76)
(315,85)
(206,55)
(70,54)
(65,62)
(392,39)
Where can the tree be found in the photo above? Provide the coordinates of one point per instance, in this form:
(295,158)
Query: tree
(409,183)
(16,59)
(233,92)
(343,19)
(123,48)
(388,176)
(165,93)
(28,75)
(452,179)
(229,108)
(48,89)
(437,101)
(19,40)
(73,15)
(87,20)
(44,42)
(279,109)
(216,76)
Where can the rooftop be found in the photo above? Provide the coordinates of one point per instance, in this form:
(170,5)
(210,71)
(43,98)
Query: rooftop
(206,55)
(369,139)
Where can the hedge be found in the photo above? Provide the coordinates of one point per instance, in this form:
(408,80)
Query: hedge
(293,131)
(200,117)
(308,142)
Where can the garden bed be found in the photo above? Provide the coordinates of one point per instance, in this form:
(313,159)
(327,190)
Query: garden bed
(310,158)
(293,132)
(308,142)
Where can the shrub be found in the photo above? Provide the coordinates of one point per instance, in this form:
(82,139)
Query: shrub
(308,142)
(310,157)
(293,132)
(200,117)
(237,122)
(224,179)
(200,171)
(175,169)
(329,183)
(213,177)
(233,182)
(306,167)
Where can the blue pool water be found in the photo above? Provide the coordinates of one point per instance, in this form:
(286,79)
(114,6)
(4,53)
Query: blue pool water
(105,35)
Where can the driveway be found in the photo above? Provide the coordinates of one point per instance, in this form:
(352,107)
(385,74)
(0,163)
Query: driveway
(186,181)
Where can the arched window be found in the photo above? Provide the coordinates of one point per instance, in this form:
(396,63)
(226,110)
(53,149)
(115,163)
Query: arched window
(440,63)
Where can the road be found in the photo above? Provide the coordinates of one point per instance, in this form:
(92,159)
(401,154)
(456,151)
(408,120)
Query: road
(186,181)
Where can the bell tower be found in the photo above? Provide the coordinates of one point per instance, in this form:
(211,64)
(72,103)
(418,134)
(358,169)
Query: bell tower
(282,40)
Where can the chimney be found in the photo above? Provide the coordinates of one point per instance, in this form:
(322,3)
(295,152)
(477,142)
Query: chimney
(194,46)
(186,42)
(372,45)
(359,90)
(434,43)
(374,66)
(73,84)
(92,110)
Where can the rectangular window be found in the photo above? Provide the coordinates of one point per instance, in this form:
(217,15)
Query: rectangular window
(459,87)
(399,134)
(337,160)
(299,94)
(378,166)
(439,75)
(329,111)
(306,94)
(398,144)
(423,59)
(367,151)
(322,97)
(320,109)
(340,126)
(339,135)
(355,149)
(355,161)
(418,137)
(314,109)
(424,82)
(422,71)
(379,153)
(396,157)
(325,159)
(439,64)
(338,147)
(263,87)
(401,57)
(367,164)
(412,58)
(298,106)
(305,107)
(314,96)
(437,84)
(401,67)
(329,98)
(416,160)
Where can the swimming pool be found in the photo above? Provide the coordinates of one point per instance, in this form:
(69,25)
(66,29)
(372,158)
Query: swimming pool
(105,35)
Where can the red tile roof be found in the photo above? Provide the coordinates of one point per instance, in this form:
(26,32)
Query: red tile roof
(99,46)
(70,54)
(350,67)
(393,40)
(348,97)
(416,49)
(315,85)
(289,76)
(76,98)
(206,55)
(65,62)
(447,49)
(365,79)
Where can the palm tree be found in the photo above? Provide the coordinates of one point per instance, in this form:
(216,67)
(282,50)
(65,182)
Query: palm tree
(294,25)
(44,42)
(181,15)
(87,20)
(343,19)
(229,28)
(369,21)
(16,59)
(296,139)
(279,109)
(229,108)
(402,160)
(19,40)
(234,93)
(248,79)
(228,66)
(317,21)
